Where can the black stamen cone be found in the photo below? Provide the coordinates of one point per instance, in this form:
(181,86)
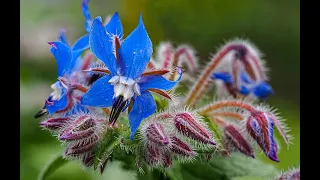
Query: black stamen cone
(41,113)
(117,107)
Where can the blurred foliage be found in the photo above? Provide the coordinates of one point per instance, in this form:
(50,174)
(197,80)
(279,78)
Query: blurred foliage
(274,26)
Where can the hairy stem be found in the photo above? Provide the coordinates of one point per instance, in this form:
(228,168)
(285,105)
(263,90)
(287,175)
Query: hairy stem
(206,75)
(223,104)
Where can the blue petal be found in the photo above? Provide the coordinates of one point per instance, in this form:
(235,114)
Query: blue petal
(57,105)
(62,37)
(245,78)
(100,94)
(262,90)
(86,14)
(224,76)
(157,82)
(143,107)
(135,51)
(81,44)
(101,46)
(244,90)
(114,26)
(63,56)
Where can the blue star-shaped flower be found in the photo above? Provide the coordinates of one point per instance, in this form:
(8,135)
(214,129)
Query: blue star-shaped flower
(127,84)
(260,90)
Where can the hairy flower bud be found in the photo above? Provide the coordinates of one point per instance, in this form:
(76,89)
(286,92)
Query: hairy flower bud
(80,147)
(152,155)
(167,160)
(261,127)
(54,123)
(88,159)
(187,125)
(181,148)
(233,138)
(293,174)
(84,127)
(156,134)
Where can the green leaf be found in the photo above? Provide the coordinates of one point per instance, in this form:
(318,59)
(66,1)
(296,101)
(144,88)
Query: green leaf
(52,166)
(221,168)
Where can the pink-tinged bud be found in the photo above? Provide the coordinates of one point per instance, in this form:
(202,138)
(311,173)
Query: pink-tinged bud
(234,138)
(181,148)
(87,160)
(80,128)
(293,174)
(260,127)
(80,147)
(54,123)
(156,134)
(152,155)
(167,160)
(187,125)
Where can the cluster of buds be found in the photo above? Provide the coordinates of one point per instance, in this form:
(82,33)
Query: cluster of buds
(237,70)
(174,135)
(80,133)
(242,122)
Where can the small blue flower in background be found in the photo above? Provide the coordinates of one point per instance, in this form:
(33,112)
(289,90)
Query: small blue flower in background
(66,59)
(126,85)
(260,90)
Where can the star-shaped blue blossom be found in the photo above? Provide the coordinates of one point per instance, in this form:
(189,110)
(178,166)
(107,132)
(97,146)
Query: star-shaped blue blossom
(127,84)
(66,57)
(260,89)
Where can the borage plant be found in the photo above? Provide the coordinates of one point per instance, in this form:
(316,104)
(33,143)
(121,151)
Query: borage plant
(114,101)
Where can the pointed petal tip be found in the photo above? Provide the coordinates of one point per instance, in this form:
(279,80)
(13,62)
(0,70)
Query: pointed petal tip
(53,44)
(98,18)
(85,2)
(274,157)
(141,20)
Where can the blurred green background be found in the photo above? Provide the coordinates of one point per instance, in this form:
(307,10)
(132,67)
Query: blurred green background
(274,26)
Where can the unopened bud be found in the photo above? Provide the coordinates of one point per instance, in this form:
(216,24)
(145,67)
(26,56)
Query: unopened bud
(54,123)
(236,140)
(156,134)
(80,128)
(167,160)
(187,125)
(152,155)
(87,160)
(261,128)
(80,147)
(293,174)
(181,148)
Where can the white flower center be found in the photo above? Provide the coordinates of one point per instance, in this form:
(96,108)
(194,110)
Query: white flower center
(125,86)
(57,91)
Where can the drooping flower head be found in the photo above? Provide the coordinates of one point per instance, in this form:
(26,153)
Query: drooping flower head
(243,72)
(260,90)
(126,85)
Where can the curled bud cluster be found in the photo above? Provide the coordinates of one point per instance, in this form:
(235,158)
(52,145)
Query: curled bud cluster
(171,135)
(242,121)
(80,133)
